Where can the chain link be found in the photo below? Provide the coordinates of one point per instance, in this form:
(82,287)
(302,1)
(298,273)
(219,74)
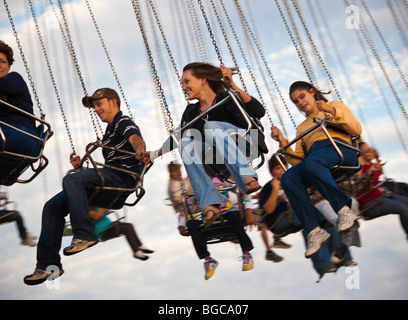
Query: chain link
(40,38)
(156,78)
(316,51)
(217,50)
(37,99)
(68,42)
(108,57)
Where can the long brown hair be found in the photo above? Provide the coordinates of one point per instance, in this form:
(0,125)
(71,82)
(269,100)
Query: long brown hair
(319,95)
(212,73)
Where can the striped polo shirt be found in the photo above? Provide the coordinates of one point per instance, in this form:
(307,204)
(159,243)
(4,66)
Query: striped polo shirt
(117,136)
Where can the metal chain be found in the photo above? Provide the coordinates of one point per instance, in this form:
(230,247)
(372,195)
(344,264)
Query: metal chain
(304,59)
(364,34)
(248,66)
(37,99)
(68,42)
(157,83)
(368,39)
(156,78)
(192,13)
(316,51)
(108,57)
(161,63)
(394,61)
(217,50)
(173,62)
(228,45)
(40,38)
(261,54)
(398,23)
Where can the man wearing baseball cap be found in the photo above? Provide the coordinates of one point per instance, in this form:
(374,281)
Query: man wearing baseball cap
(121,133)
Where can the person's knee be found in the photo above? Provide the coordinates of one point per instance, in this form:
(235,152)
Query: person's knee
(55,205)
(68,180)
(313,166)
(193,224)
(289,178)
(233,217)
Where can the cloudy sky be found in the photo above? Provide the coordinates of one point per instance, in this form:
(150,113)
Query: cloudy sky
(108,271)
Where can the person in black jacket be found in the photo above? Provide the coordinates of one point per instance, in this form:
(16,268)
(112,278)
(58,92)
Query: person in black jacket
(208,84)
(14,91)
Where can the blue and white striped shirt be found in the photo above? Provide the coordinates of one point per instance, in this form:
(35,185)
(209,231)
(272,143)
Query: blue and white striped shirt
(117,136)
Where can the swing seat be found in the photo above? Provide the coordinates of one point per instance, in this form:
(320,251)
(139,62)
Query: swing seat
(113,198)
(292,226)
(13,165)
(340,172)
(108,197)
(218,232)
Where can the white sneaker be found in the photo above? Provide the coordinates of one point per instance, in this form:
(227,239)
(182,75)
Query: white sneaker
(315,239)
(346,219)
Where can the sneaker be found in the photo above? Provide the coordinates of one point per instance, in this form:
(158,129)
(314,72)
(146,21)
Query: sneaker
(346,219)
(279,243)
(270,255)
(247,262)
(78,245)
(139,254)
(209,267)
(315,239)
(39,276)
(29,240)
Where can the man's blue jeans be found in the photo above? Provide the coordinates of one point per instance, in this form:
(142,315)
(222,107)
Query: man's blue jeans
(71,200)
(315,170)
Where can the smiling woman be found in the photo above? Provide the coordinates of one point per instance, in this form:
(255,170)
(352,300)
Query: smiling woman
(208,84)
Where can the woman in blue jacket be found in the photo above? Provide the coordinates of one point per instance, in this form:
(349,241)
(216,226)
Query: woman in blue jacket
(14,91)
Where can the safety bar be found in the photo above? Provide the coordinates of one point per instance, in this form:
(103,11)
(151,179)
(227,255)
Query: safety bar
(231,95)
(322,123)
(47,133)
(138,188)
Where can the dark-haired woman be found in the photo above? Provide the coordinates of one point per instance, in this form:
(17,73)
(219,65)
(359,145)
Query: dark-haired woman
(315,168)
(208,84)
(14,91)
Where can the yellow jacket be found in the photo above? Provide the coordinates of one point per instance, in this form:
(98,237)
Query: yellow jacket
(344,119)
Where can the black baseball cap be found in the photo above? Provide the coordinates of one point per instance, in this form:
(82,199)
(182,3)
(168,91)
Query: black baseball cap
(100,94)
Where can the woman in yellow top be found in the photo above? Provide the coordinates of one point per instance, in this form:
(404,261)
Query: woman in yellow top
(315,168)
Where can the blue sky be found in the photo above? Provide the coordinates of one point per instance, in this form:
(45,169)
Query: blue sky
(107,271)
